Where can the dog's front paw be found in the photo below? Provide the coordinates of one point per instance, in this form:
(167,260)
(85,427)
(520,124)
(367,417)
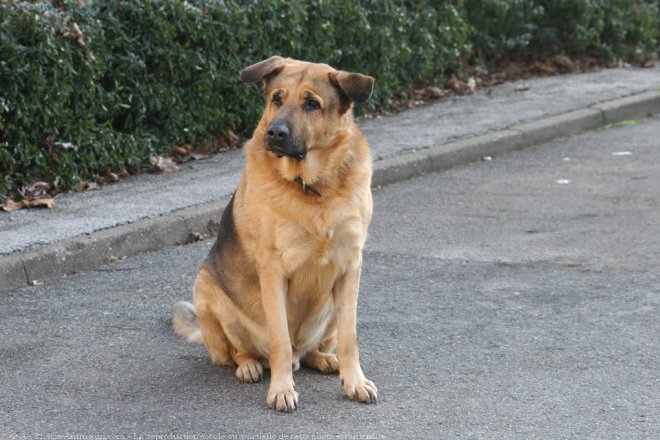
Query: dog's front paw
(282,396)
(360,388)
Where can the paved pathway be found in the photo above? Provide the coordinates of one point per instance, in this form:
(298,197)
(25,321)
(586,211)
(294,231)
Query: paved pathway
(511,298)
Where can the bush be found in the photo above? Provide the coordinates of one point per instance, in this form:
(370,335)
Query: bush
(606,29)
(88,90)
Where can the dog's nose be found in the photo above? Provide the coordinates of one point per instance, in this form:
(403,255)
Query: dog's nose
(278,131)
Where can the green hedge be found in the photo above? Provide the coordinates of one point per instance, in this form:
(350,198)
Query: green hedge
(605,29)
(145,75)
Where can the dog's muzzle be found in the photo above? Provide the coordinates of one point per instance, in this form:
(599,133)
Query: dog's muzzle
(281,143)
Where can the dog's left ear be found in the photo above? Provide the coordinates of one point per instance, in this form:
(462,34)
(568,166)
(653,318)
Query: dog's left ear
(262,70)
(356,86)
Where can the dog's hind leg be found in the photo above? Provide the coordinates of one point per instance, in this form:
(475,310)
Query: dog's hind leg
(324,362)
(213,334)
(250,369)
(222,351)
(323,358)
(229,334)
(215,340)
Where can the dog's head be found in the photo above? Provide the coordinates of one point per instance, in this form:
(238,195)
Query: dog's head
(306,103)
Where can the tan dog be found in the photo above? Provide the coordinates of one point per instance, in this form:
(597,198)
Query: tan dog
(280,284)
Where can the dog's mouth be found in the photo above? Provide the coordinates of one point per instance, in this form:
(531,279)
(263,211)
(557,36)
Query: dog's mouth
(280,152)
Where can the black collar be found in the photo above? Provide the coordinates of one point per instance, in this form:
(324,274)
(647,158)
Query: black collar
(306,187)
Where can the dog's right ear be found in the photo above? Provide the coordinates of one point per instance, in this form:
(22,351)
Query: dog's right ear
(262,70)
(356,86)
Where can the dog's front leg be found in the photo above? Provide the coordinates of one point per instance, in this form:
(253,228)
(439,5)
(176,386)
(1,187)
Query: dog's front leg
(345,293)
(281,393)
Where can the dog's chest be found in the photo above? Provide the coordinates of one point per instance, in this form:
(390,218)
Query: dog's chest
(312,268)
(299,249)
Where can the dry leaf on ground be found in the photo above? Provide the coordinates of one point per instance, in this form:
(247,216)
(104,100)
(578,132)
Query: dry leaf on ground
(545,68)
(160,164)
(84,185)
(36,190)
(232,138)
(34,196)
(458,86)
(11,206)
(40,203)
(194,237)
(180,153)
(203,151)
(472,83)
(429,93)
(564,63)
(109,176)
(184,153)
(213,226)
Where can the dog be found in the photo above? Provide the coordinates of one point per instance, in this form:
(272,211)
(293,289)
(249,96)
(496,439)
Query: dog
(279,286)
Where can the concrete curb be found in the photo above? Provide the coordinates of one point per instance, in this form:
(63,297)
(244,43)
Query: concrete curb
(90,251)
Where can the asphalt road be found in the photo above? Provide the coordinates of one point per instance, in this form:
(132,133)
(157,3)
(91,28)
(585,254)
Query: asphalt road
(512,298)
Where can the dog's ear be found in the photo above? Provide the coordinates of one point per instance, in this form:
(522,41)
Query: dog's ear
(356,86)
(262,70)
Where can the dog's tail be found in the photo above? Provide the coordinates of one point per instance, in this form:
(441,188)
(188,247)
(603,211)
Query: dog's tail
(184,322)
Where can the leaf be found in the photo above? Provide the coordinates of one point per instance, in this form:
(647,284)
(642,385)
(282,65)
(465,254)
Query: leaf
(181,153)
(203,151)
(431,92)
(161,164)
(40,203)
(564,63)
(213,226)
(184,153)
(109,176)
(11,206)
(232,138)
(458,86)
(84,185)
(545,68)
(194,237)
(34,190)
(472,84)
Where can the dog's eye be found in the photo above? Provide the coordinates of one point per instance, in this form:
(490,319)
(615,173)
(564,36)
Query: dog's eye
(311,104)
(277,99)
